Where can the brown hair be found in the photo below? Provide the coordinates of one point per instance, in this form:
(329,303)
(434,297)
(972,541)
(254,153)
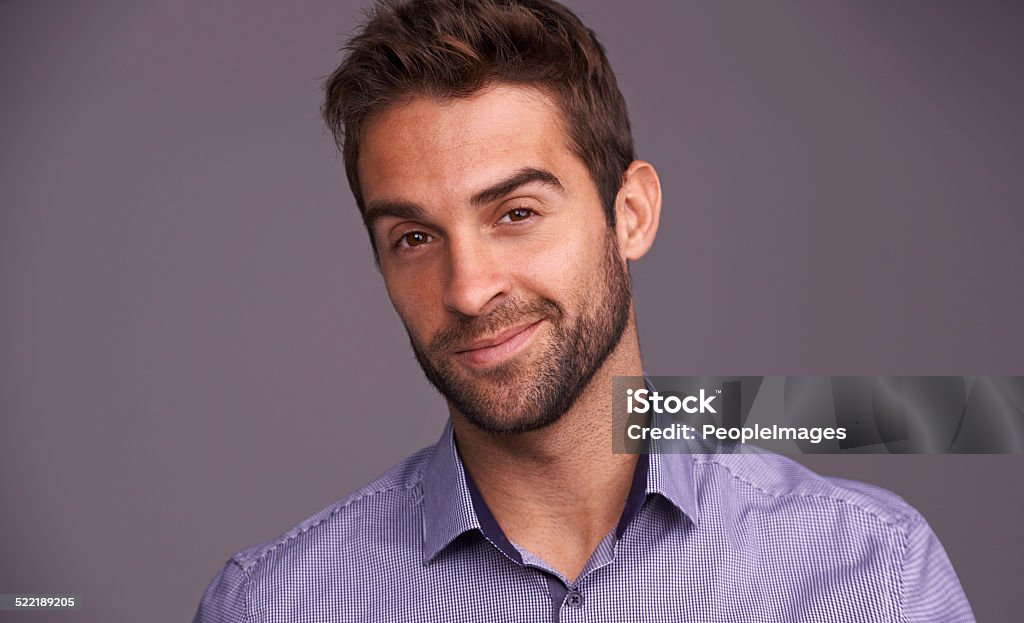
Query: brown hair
(455,48)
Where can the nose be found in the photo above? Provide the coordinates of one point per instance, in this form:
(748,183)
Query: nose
(476,277)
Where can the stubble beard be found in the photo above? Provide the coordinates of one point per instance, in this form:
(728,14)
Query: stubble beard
(518,397)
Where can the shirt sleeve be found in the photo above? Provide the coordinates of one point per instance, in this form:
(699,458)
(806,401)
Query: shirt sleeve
(224,599)
(931,589)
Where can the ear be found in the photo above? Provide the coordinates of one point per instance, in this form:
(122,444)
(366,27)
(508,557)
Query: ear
(637,210)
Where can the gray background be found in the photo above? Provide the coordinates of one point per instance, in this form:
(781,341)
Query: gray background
(196,351)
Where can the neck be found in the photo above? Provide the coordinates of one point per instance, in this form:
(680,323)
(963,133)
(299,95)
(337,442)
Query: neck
(557,492)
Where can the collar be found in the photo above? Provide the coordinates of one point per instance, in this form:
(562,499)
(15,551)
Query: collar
(671,476)
(447,503)
(453,506)
(670,470)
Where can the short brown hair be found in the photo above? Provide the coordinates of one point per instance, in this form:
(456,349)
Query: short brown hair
(455,48)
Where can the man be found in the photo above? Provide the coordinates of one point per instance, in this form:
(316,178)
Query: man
(489,151)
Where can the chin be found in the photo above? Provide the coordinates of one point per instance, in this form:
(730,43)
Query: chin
(512,424)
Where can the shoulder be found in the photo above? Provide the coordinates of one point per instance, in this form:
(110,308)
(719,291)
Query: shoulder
(325,555)
(845,539)
(391,499)
(780,486)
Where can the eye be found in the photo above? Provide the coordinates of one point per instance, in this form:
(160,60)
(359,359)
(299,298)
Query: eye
(516,215)
(412,239)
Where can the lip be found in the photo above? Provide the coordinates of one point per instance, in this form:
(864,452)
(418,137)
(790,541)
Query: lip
(502,346)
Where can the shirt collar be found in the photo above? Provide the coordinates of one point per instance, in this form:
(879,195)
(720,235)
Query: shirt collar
(670,472)
(671,476)
(450,507)
(447,503)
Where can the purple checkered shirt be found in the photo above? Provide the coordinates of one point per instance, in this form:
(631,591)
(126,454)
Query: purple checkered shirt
(703,537)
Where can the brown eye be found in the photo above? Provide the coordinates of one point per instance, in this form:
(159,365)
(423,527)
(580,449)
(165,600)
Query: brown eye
(519,214)
(413,239)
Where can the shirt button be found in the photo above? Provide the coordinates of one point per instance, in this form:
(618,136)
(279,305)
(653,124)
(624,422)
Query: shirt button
(574,599)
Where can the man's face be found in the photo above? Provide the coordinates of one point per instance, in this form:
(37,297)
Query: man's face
(496,253)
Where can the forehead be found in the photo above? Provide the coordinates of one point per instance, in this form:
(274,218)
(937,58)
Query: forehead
(429,150)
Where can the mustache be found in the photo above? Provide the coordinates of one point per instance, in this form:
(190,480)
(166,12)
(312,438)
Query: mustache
(511,312)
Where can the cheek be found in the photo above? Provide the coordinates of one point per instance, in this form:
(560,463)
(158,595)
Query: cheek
(564,266)
(414,302)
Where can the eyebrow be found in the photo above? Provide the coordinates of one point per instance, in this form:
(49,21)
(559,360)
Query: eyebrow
(377,210)
(404,210)
(522,177)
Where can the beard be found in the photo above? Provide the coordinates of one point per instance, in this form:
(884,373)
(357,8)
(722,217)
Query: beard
(516,396)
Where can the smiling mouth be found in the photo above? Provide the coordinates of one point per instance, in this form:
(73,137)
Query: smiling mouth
(502,346)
